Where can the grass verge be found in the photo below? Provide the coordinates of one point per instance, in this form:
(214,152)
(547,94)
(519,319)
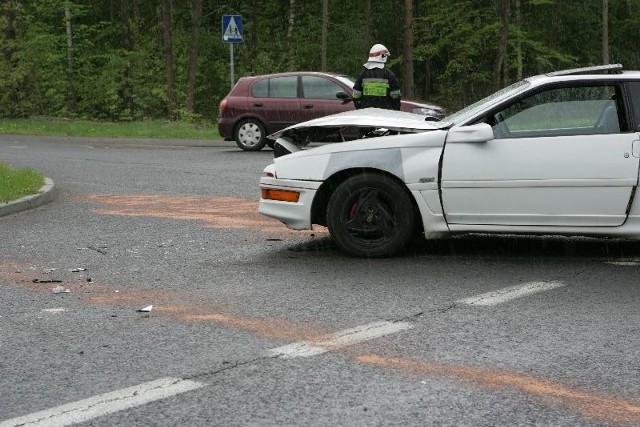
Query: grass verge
(16,183)
(143,129)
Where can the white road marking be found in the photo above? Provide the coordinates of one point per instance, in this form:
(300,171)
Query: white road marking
(103,404)
(624,263)
(507,294)
(339,340)
(54,310)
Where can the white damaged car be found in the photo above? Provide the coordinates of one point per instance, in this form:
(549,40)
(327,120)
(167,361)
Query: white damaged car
(557,153)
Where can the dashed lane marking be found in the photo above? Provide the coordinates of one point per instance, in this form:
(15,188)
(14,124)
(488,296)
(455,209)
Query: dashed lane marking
(103,404)
(339,339)
(624,263)
(507,294)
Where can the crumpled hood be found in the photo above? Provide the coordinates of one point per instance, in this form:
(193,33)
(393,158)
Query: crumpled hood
(393,120)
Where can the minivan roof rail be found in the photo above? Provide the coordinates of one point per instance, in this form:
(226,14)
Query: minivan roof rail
(609,68)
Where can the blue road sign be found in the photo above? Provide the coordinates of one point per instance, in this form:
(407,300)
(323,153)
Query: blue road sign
(232,29)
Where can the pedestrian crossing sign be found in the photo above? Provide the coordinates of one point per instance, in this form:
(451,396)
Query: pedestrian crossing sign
(232,29)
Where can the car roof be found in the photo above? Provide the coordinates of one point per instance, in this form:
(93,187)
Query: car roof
(294,73)
(607,72)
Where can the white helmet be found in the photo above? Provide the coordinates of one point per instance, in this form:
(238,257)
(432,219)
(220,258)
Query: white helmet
(378,53)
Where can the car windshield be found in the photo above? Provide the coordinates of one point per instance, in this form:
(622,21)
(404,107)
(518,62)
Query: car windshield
(346,80)
(471,110)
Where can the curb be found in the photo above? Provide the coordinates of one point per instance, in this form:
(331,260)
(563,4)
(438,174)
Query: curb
(45,195)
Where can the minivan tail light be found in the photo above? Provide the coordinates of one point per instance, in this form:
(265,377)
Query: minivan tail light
(223,105)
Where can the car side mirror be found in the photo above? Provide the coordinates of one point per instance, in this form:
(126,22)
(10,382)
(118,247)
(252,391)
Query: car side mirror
(344,96)
(480,132)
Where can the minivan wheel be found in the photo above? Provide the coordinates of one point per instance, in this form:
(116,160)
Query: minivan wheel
(250,135)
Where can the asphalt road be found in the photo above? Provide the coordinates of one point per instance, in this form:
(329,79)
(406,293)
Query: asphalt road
(253,324)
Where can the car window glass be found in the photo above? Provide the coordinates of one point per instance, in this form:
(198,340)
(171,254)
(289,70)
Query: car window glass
(319,88)
(283,87)
(634,88)
(260,89)
(565,111)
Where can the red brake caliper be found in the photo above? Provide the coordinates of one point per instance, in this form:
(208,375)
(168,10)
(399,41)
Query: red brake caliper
(352,210)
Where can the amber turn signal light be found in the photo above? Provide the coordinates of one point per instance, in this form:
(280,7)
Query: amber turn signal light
(281,195)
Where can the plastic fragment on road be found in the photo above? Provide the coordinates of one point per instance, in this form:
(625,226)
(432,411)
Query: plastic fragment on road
(60,290)
(146,309)
(77,270)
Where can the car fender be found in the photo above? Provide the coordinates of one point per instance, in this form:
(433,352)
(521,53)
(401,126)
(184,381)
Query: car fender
(412,158)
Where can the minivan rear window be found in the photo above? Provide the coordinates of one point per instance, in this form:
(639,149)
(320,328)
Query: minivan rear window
(276,87)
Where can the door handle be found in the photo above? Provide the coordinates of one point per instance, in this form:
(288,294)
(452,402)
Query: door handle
(257,104)
(307,106)
(635,149)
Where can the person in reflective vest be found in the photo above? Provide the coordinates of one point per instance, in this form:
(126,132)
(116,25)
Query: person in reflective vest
(377,86)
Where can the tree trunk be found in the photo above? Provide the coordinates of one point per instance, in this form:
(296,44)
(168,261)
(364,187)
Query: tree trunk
(193,52)
(126,91)
(325,30)
(367,26)
(254,33)
(136,10)
(166,13)
(408,86)
(10,16)
(289,37)
(70,72)
(499,68)
(520,69)
(67,21)
(605,31)
(426,91)
(125,21)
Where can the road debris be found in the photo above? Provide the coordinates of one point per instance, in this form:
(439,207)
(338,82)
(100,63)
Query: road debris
(60,290)
(100,249)
(146,309)
(47,281)
(78,269)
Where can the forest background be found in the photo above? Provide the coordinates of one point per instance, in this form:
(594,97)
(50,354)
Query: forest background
(129,60)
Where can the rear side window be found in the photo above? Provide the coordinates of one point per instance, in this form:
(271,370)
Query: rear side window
(276,87)
(260,89)
(634,90)
(283,87)
(320,88)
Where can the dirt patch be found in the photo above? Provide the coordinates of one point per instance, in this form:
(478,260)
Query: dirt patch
(215,212)
(591,405)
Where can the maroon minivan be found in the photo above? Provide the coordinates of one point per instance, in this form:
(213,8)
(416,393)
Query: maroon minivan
(261,105)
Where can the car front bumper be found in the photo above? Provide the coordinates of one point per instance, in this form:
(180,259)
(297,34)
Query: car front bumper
(295,215)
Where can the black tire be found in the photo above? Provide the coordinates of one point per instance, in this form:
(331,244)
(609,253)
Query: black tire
(371,215)
(250,135)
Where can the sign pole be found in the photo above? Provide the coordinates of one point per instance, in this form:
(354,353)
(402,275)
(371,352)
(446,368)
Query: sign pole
(232,65)
(232,33)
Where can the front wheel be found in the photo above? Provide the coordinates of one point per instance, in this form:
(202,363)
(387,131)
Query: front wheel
(250,135)
(371,215)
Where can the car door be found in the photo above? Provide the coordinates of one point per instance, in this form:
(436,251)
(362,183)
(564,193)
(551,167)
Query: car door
(319,98)
(563,156)
(276,101)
